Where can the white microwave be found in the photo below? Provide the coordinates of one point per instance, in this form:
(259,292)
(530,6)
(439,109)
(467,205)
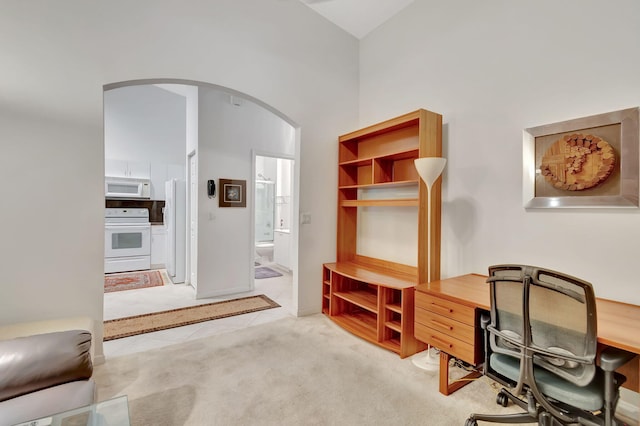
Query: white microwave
(127,188)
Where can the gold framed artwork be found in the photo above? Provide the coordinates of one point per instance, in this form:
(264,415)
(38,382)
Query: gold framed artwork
(584,162)
(233,193)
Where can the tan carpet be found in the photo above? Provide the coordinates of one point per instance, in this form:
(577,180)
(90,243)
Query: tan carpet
(290,372)
(132,280)
(139,324)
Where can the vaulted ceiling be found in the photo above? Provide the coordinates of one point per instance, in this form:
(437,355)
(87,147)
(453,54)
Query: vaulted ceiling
(358,17)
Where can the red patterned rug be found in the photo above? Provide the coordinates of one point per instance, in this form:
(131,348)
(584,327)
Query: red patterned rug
(132,280)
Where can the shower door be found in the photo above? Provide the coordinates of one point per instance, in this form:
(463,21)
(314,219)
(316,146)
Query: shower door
(265,210)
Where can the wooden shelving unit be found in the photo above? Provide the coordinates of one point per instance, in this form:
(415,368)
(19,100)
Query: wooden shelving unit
(374,298)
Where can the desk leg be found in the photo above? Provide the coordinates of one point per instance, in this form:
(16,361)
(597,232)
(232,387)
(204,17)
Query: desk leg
(447,388)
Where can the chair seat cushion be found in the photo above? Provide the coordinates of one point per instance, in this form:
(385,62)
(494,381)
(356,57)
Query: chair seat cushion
(589,397)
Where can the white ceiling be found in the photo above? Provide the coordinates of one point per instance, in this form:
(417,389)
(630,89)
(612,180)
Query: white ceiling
(358,17)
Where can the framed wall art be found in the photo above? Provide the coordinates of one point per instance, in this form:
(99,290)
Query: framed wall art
(584,162)
(233,193)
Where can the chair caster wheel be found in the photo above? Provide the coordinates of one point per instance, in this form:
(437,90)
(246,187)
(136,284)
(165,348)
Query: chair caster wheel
(502,399)
(470,422)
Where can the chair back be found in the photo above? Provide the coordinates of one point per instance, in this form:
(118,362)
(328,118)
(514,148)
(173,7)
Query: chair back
(546,316)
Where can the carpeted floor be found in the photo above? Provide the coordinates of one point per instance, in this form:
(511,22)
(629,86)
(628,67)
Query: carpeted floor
(294,371)
(132,280)
(147,323)
(265,272)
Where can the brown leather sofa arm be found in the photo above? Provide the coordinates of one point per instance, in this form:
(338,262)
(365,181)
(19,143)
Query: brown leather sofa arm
(32,363)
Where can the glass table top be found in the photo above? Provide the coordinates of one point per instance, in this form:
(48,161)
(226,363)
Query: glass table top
(113,412)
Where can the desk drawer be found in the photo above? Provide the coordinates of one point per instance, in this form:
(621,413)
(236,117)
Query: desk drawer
(446,325)
(444,307)
(448,344)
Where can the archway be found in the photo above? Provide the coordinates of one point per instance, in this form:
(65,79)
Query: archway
(209,213)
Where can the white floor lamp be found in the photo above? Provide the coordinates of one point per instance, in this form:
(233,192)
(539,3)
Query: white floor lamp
(429,169)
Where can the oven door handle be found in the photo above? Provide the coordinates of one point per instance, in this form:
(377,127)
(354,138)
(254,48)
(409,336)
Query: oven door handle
(127,226)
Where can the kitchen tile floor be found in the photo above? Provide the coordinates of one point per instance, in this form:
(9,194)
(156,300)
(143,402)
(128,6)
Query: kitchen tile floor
(121,304)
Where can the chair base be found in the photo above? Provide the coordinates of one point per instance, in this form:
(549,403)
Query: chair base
(534,413)
(503,398)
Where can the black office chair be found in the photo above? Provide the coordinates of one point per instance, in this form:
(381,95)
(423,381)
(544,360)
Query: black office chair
(541,342)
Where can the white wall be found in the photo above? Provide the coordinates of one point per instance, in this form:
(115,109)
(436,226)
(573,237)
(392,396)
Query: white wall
(148,124)
(228,136)
(57,56)
(192,119)
(493,68)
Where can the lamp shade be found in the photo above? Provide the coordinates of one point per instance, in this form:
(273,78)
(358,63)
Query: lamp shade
(429,168)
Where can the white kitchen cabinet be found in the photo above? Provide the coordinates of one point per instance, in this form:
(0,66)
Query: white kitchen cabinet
(127,169)
(158,246)
(139,169)
(158,178)
(282,248)
(160,173)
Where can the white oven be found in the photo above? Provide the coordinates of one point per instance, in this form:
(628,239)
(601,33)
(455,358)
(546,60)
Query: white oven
(127,240)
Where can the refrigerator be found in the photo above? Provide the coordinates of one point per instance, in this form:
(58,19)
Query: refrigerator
(175,219)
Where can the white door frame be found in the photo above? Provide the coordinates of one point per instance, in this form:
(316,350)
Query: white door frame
(192,221)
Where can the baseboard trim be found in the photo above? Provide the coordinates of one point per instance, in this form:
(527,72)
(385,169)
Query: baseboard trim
(628,412)
(226,292)
(307,312)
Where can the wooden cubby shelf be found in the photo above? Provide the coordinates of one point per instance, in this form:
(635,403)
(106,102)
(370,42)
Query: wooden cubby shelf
(372,297)
(374,302)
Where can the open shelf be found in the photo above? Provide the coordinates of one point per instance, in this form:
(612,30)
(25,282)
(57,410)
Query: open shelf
(392,344)
(360,324)
(377,171)
(362,299)
(326,290)
(394,307)
(381,185)
(399,202)
(394,325)
(395,156)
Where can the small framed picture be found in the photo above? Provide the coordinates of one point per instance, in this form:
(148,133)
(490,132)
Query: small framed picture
(233,193)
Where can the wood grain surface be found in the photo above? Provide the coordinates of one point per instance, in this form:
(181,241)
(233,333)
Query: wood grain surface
(577,162)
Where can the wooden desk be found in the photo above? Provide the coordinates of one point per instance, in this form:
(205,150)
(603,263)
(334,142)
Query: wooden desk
(618,324)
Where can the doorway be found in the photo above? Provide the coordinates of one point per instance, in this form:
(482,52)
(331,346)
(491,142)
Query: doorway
(201,209)
(273,211)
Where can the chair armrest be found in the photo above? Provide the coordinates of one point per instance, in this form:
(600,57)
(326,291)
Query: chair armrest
(484,321)
(613,358)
